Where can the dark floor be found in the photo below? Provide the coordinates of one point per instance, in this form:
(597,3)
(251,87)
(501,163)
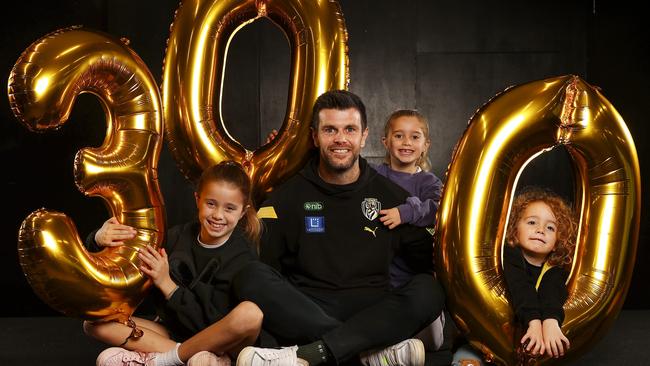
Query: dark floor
(60,341)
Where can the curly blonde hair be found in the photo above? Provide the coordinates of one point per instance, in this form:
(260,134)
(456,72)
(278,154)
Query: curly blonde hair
(562,254)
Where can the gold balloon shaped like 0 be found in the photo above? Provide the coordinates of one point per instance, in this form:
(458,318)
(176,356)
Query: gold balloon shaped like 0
(501,138)
(43,86)
(194,65)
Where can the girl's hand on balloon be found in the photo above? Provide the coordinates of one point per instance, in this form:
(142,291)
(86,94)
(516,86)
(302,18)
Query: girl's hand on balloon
(113,234)
(156,266)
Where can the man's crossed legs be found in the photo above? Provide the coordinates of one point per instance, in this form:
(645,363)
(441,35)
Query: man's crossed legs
(333,326)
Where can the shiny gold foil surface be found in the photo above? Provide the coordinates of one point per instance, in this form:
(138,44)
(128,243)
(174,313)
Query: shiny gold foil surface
(43,86)
(501,138)
(194,70)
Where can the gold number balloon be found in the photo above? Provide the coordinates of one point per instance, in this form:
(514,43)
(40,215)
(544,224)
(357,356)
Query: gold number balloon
(194,71)
(501,138)
(43,86)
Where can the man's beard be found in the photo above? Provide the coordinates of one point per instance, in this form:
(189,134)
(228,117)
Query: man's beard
(340,167)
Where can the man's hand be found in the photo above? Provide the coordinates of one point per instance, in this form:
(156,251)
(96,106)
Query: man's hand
(271,136)
(533,339)
(390,217)
(156,266)
(554,340)
(112,233)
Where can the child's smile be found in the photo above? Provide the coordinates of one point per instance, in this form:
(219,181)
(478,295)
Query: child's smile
(220,205)
(406,144)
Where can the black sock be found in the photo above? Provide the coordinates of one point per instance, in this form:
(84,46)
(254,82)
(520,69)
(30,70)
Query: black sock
(315,353)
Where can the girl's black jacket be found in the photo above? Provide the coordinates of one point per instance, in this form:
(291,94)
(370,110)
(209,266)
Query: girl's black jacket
(529,303)
(203,296)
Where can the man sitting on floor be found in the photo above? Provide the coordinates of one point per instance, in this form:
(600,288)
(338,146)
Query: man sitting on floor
(325,284)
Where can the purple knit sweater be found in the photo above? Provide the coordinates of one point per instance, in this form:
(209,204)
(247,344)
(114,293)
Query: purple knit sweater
(419,209)
(424,187)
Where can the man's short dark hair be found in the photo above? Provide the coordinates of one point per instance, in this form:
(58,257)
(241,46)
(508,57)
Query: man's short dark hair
(340,100)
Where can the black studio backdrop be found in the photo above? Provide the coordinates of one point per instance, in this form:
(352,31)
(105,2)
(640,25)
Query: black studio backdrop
(444,59)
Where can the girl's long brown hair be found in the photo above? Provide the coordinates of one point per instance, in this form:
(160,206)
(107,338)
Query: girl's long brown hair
(234,174)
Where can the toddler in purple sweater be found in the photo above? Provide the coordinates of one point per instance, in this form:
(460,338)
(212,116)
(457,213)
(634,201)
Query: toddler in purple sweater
(406,138)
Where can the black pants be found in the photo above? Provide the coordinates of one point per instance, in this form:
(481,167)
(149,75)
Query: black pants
(348,321)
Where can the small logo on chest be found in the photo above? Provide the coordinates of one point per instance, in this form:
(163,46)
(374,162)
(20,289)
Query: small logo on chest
(315,224)
(313,206)
(370,208)
(371,231)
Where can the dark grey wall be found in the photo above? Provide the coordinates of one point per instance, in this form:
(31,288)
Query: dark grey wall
(444,58)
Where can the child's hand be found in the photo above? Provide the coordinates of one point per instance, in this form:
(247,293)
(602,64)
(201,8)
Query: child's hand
(157,267)
(554,339)
(112,233)
(390,217)
(534,338)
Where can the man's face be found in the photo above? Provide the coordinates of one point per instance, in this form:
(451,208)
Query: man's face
(339,138)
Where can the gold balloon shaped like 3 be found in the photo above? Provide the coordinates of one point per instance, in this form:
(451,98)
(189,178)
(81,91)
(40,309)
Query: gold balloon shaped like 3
(43,86)
(194,70)
(501,138)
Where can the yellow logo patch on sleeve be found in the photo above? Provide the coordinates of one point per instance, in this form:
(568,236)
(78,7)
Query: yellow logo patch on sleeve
(267,212)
